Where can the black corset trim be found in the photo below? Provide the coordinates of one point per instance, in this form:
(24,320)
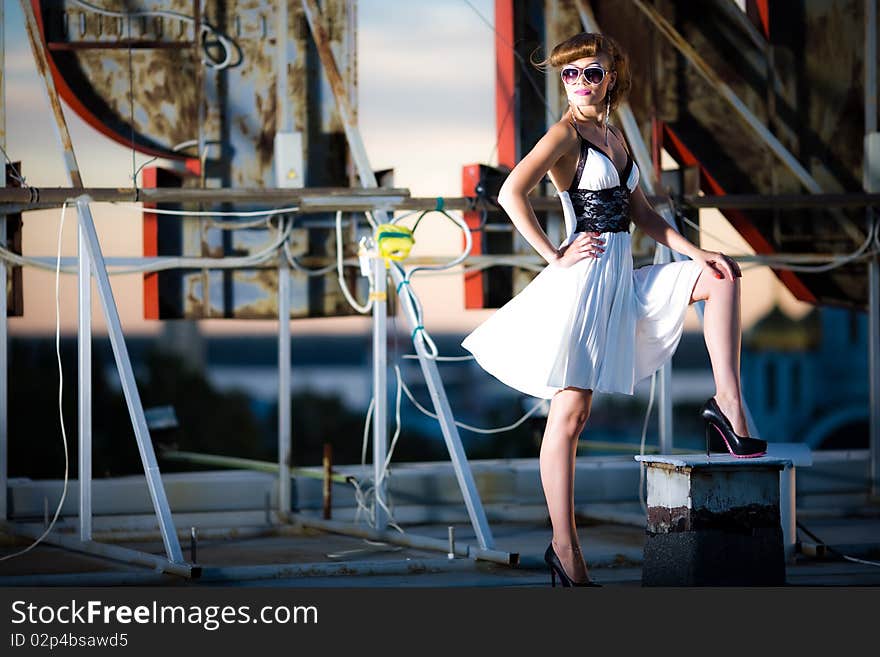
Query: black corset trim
(601,210)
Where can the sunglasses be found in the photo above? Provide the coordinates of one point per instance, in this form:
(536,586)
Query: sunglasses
(594,74)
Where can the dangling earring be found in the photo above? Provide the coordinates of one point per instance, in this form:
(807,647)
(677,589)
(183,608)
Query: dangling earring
(607,112)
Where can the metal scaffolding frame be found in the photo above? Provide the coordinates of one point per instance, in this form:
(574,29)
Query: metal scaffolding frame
(4,383)
(429,367)
(871,168)
(91,263)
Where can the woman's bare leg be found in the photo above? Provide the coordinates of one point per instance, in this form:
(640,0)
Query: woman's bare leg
(569,410)
(722,329)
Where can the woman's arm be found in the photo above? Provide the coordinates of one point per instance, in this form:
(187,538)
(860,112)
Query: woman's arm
(513,196)
(644,216)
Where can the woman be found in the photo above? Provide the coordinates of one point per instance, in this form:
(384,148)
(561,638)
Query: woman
(588,321)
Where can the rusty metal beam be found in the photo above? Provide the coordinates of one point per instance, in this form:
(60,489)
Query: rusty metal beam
(42,62)
(340,93)
(712,78)
(58,195)
(14,199)
(768,201)
(738,16)
(122,44)
(706,71)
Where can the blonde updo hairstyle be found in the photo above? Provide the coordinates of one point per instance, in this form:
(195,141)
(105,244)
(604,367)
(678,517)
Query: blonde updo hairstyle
(590,44)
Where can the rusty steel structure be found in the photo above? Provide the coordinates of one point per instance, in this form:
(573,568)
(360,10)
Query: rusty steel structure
(739,99)
(287,239)
(795,66)
(763,106)
(222,88)
(137,79)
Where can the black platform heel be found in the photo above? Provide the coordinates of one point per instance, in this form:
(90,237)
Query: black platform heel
(556,568)
(739,446)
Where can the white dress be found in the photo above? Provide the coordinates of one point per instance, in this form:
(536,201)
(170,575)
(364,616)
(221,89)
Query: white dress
(599,324)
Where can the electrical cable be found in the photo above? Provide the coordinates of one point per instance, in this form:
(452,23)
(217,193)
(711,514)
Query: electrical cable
(834,550)
(205,213)
(362,309)
(60,391)
(164,263)
(362,494)
(642,501)
(509,427)
(177,147)
(777,262)
(404,288)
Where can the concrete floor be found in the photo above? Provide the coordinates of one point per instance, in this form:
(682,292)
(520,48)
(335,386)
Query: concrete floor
(303,557)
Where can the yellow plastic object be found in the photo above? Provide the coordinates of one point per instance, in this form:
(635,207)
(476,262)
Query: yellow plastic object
(394,242)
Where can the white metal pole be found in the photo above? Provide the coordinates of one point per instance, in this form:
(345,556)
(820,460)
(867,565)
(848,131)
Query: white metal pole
(368,179)
(380,390)
(4,332)
(4,379)
(665,441)
(463,473)
(284,430)
(871,178)
(788,510)
(84,365)
(874,370)
(129,386)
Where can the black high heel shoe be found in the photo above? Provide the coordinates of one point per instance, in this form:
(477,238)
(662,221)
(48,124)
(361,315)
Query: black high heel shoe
(556,569)
(739,446)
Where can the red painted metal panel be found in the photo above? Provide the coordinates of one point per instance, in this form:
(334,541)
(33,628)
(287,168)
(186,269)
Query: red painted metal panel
(151,247)
(473,282)
(154,177)
(763,7)
(505,84)
(684,156)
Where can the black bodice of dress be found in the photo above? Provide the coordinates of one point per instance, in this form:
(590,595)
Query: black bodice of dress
(600,210)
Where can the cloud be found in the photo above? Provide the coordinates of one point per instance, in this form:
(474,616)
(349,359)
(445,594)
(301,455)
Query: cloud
(424,46)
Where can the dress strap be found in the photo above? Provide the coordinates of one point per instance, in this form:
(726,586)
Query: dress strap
(627,170)
(583,152)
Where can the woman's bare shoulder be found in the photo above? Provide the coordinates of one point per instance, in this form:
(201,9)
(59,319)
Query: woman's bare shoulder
(556,143)
(562,131)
